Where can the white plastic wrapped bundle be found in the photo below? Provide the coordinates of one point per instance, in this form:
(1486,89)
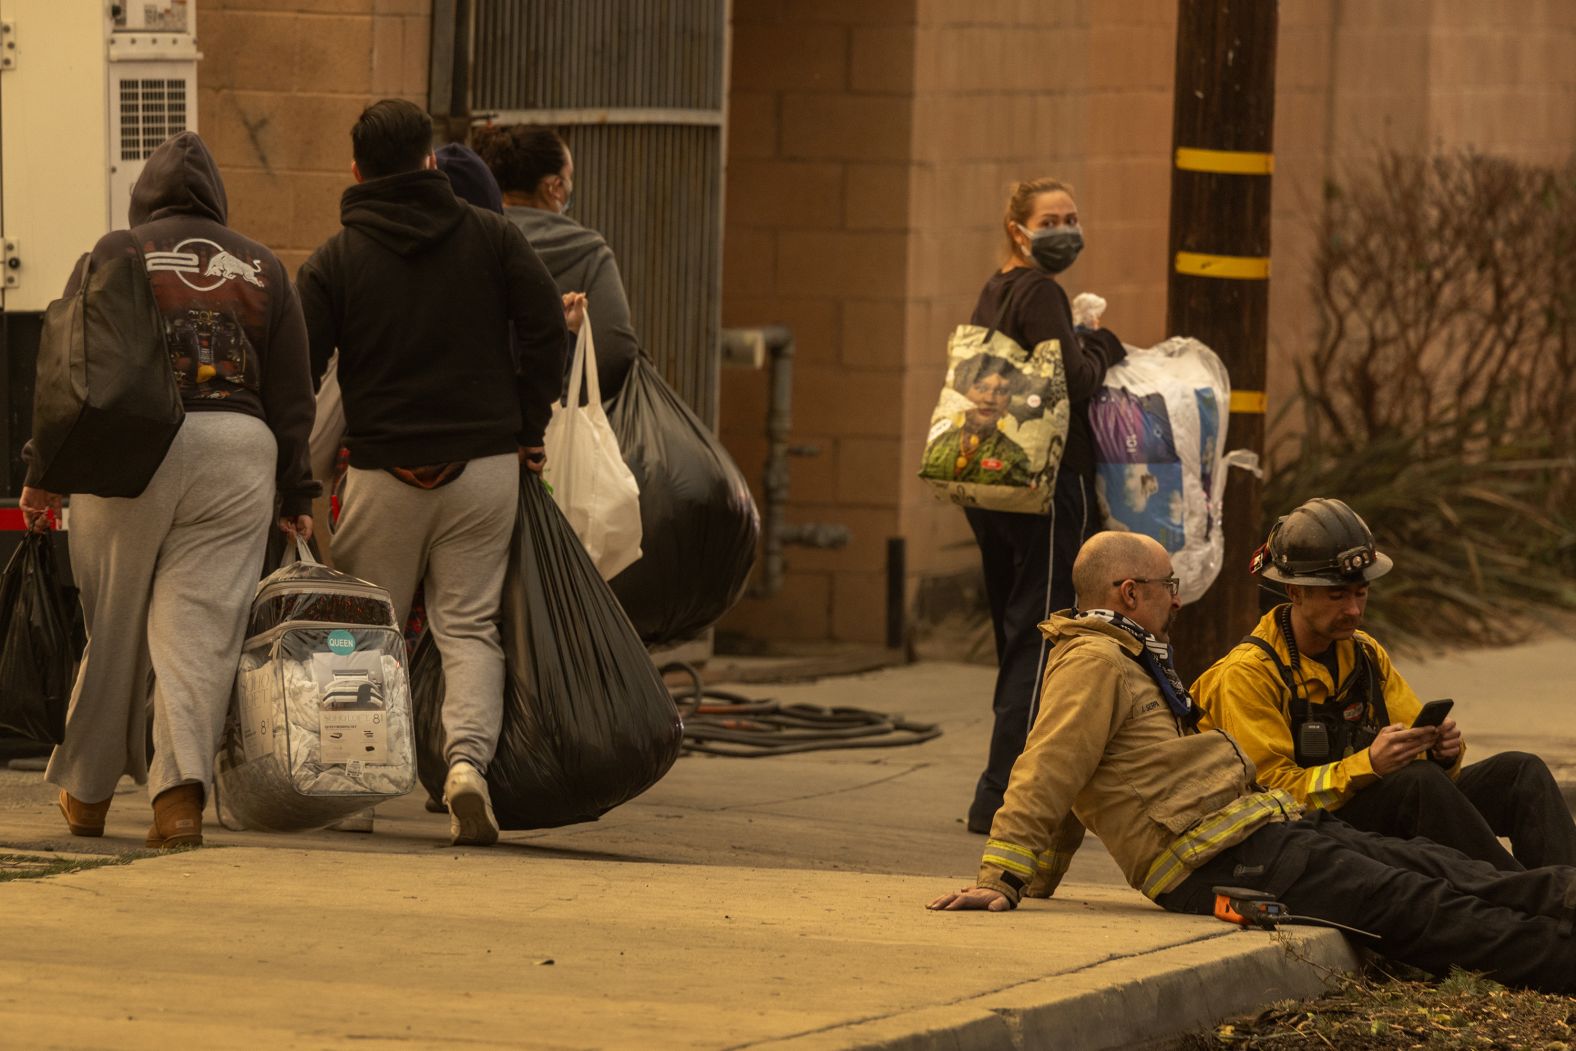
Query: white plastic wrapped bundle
(320,727)
(1160,452)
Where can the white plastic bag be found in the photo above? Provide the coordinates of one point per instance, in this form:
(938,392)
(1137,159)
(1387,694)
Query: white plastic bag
(591,483)
(1160,453)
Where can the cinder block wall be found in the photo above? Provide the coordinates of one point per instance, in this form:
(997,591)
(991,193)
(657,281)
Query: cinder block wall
(1413,75)
(279,85)
(820,152)
(871,147)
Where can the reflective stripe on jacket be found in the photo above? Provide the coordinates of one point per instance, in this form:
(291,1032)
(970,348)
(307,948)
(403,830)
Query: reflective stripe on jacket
(1243,694)
(1107,753)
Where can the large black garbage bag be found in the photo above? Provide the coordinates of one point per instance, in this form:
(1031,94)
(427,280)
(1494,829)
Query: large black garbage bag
(587,721)
(37,651)
(699,523)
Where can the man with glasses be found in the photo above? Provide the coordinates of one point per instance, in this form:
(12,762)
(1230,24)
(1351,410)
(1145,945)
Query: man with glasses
(1319,708)
(1117,747)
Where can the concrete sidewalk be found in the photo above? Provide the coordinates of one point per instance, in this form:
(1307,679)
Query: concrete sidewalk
(740,903)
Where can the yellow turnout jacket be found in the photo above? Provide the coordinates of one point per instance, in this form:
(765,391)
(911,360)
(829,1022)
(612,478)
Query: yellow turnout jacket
(1243,694)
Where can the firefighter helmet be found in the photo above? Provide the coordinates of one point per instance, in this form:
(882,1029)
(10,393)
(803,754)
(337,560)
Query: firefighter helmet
(1323,543)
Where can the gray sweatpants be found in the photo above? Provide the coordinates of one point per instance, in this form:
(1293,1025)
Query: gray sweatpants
(167,580)
(454,540)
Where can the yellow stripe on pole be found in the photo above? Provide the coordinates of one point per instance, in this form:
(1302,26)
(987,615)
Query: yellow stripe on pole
(1235,267)
(1249,402)
(1225,162)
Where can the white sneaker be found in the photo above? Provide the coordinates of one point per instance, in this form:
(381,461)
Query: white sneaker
(471,821)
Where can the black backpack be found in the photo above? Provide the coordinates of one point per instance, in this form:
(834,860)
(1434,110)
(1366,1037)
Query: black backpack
(105,406)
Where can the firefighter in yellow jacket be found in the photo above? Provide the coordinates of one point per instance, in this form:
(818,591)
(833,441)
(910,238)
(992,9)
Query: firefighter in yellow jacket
(1116,746)
(1325,716)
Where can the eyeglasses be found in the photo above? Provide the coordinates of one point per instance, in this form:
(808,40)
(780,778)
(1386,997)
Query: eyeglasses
(1173,584)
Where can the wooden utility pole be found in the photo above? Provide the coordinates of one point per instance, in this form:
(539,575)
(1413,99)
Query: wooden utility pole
(1220,266)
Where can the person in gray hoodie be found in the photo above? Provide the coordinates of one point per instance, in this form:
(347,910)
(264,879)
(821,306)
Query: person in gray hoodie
(167,577)
(536,172)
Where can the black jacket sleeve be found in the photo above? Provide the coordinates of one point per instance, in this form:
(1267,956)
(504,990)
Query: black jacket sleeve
(289,403)
(1044,313)
(537,312)
(317,311)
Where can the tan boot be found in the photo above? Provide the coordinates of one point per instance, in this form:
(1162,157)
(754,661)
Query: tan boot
(177,818)
(83,819)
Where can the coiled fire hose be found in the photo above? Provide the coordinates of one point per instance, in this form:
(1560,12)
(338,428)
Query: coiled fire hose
(720,722)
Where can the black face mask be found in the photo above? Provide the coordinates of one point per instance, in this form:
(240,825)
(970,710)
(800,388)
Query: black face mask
(1054,247)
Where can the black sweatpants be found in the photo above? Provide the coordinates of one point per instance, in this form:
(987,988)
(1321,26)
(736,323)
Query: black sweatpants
(1427,905)
(1028,562)
(1511,794)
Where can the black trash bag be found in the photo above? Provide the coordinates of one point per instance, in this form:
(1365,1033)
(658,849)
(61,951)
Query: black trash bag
(699,523)
(587,721)
(38,654)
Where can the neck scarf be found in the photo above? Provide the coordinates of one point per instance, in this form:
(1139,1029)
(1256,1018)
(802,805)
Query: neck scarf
(1156,660)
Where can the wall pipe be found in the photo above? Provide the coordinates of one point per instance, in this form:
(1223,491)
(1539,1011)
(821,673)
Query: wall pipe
(777,342)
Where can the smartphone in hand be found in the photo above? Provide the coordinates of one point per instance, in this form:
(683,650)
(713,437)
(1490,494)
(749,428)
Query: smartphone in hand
(1433,713)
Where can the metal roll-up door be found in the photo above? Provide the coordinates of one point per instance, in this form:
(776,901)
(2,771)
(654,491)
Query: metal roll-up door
(636,87)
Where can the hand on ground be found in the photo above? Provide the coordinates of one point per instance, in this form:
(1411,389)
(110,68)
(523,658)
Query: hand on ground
(972,898)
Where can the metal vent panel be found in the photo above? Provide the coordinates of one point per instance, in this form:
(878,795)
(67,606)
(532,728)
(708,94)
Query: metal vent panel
(636,89)
(652,190)
(577,54)
(151,110)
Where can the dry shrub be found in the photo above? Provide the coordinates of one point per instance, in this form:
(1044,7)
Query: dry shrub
(1440,397)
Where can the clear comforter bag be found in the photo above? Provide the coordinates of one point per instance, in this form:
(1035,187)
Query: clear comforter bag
(320,723)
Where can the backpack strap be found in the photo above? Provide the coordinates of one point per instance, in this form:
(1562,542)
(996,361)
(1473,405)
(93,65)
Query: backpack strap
(1280,665)
(1297,700)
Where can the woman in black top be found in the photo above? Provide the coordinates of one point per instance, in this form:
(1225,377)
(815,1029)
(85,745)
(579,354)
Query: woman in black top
(1028,558)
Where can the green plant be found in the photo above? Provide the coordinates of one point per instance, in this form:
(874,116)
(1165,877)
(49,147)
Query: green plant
(1437,398)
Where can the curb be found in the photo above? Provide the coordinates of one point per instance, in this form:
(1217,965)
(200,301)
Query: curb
(1131,1002)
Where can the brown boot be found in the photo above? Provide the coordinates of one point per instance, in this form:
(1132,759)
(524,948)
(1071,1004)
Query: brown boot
(177,818)
(83,819)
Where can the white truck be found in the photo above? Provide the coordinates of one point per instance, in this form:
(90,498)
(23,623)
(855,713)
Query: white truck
(88,89)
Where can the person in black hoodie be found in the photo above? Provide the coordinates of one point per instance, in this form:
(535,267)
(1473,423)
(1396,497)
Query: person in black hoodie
(167,577)
(418,292)
(1028,558)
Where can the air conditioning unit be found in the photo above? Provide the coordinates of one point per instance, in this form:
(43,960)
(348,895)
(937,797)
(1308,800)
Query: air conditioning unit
(88,89)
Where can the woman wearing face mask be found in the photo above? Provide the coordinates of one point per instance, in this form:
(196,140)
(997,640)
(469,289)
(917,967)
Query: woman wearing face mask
(1028,558)
(534,169)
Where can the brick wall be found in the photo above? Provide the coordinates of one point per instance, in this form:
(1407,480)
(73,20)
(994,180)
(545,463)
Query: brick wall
(870,151)
(1413,75)
(279,85)
(821,139)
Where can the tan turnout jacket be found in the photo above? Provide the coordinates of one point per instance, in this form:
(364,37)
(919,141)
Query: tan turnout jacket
(1106,753)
